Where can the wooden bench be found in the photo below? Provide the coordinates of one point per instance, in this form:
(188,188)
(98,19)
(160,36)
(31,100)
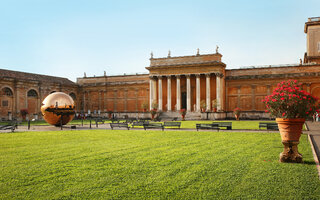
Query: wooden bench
(139,123)
(208,126)
(265,124)
(119,125)
(172,124)
(153,126)
(227,125)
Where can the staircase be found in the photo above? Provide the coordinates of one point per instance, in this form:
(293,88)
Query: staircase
(169,115)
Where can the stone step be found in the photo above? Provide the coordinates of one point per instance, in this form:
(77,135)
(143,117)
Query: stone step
(189,116)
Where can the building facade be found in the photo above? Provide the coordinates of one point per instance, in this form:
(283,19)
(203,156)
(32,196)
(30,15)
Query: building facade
(174,83)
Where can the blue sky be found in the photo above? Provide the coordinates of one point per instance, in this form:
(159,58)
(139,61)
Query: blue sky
(69,37)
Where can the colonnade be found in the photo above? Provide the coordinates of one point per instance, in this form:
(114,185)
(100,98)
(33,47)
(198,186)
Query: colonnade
(157,80)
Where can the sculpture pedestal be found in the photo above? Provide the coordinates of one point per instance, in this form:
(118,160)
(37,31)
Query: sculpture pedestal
(290,152)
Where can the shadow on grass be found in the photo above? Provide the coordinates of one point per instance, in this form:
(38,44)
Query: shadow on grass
(308,163)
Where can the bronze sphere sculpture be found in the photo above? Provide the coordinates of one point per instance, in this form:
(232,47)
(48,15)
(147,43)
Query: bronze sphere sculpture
(58,109)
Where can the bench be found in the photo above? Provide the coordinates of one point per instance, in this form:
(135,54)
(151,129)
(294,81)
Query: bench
(172,124)
(265,124)
(119,125)
(97,120)
(272,127)
(227,125)
(139,123)
(153,126)
(115,120)
(10,126)
(208,126)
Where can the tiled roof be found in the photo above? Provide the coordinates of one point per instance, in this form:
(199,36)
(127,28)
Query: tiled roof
(34,77)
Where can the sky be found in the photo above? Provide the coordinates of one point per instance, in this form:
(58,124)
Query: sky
(66,38)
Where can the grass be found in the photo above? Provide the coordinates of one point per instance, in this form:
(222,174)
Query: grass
(135,164)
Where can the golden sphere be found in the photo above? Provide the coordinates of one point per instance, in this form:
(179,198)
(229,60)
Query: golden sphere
(57,106)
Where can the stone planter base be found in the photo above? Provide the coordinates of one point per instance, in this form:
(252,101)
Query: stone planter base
(290,152)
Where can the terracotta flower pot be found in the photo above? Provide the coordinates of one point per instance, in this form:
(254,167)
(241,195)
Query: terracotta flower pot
(237,117)
(290,130)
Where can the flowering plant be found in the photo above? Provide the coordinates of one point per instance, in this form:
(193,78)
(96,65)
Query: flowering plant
(289,100)
(236,111)
(24,112)
(153,111)
(183,112)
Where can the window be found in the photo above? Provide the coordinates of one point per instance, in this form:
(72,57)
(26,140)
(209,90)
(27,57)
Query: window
(73,96)
(5,103)
(32,93)
(7,92)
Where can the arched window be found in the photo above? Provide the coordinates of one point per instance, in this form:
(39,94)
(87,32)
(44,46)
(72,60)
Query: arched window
(73,95)
(32,93)
(7,92)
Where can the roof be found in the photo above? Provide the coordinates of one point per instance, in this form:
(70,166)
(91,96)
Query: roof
(4,73)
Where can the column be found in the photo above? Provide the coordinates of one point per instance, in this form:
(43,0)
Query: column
(198,92)
(84,101)
(169,93)
(239,95)
(115,100)
(178,93)
(160,92)
(150,93)
(308,87)
(208,98)
(99,100)
(125,100)
(188,93)
(253,98)
(17,102)
(218,93)
(136,97)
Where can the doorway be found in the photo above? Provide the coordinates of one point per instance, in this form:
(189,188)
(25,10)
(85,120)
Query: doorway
(183,100)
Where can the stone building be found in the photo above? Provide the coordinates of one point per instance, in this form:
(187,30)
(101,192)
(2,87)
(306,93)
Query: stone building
(174,83)
(20,90)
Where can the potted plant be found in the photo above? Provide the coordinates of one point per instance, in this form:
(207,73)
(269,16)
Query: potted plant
(291,105)
(183,113)
(24,113)
(203,105)
(214,105)
(109,113)
(153,113)
(154,105)
(144,106)
(236,113)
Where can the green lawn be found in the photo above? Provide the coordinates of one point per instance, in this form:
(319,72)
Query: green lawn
(136,164)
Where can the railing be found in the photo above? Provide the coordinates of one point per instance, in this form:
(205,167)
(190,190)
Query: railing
(314,19)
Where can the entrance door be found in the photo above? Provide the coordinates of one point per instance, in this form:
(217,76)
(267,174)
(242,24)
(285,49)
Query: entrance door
(183,100)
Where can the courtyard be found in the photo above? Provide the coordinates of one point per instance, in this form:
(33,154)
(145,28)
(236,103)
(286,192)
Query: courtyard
(138,164)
